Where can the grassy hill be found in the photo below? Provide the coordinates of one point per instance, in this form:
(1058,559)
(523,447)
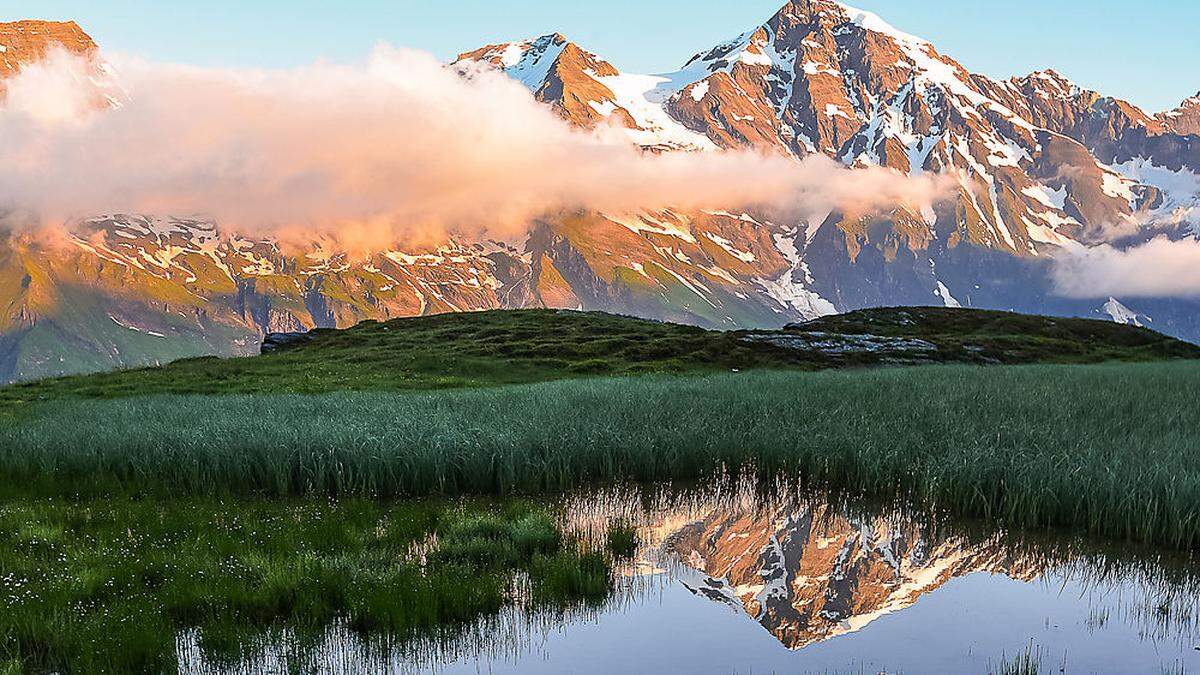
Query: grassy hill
(525,346)
(533,401)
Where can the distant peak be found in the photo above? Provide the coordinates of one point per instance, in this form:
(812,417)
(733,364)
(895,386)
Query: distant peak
(509,54)
(39,24)
(1049,74)
(832,13)
(69,33)
(1048,83)
(873,22)
(28,41)
(1184,118)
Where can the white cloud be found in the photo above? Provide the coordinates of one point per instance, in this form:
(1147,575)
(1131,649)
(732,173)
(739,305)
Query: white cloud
(1159,267)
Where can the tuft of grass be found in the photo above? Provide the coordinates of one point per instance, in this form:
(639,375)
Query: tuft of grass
(567,577)
(1027,662)
(535,533)
(1108,449)
(621,540)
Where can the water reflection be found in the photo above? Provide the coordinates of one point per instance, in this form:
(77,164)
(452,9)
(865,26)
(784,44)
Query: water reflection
(734,578)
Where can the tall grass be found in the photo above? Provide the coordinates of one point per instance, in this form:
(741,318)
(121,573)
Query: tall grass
(1113,449)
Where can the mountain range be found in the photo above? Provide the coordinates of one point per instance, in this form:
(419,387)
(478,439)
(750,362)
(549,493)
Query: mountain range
(1041,166)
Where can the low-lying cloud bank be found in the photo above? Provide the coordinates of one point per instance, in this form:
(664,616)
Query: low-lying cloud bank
(1158,268)
(397,147)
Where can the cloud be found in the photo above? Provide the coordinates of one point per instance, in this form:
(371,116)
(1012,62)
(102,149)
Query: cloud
(1160,267)
(395,147)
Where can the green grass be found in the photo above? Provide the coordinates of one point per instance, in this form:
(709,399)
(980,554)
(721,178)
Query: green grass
(513,347)
(622,540)
(106,583)
(449,350)
(1110,449)
(238,497)
(1027,662)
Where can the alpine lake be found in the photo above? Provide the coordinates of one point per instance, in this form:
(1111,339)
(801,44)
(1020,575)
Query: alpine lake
(742,578)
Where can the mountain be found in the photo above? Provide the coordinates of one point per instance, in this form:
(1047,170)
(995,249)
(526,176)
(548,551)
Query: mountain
(809,573)
(1040,164)
(1185,119)
(26,42)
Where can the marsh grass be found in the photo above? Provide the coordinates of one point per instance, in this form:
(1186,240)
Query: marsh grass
(106,584)
(1027,662)
(1110,449)
(622,540)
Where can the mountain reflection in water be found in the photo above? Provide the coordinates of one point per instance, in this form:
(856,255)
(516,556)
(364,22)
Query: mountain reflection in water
(809,573)
(837,588)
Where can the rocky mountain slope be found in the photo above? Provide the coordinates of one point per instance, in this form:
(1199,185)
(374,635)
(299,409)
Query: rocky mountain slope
(26,42)
(1185,119)
(1041,165)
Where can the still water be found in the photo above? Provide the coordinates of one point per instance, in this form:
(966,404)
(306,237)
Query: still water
(726,580)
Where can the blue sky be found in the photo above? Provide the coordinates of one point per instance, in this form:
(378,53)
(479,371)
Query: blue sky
(1144,51)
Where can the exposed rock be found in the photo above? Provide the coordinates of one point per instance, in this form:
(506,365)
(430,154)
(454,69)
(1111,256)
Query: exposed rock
(836,344)
(279,342)
(27,42)
(1185,119)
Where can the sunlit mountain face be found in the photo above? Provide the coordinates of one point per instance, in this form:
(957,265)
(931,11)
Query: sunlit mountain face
(1038,168)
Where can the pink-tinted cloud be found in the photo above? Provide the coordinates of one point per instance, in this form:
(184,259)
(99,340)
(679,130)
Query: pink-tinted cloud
(397,147)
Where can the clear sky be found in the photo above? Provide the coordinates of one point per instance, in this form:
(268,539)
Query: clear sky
(1146,51)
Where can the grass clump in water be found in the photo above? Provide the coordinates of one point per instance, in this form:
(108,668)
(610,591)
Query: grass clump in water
(566,577)
(621,540)
(1027,662)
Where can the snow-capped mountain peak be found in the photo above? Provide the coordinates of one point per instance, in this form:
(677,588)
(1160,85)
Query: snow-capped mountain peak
(1042,165)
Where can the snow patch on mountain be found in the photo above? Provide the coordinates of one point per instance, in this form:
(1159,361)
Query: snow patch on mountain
(1180,191)
(792,289)
(944,293)
(1119,313)
(643,96)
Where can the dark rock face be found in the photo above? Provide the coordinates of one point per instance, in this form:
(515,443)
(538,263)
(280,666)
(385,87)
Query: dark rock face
(280,342)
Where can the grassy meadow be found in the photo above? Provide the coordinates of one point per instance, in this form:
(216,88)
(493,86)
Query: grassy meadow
(1110,449)
(107,583)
